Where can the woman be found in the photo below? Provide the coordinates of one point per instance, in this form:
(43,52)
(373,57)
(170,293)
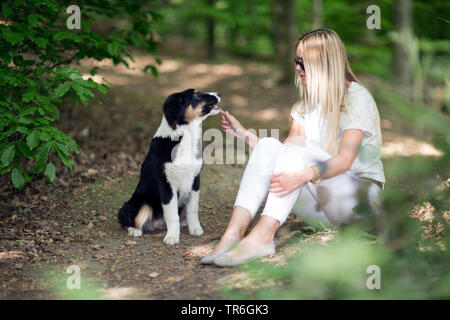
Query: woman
(331,154)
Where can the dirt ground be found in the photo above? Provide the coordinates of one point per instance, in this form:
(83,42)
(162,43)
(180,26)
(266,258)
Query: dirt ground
(45,228)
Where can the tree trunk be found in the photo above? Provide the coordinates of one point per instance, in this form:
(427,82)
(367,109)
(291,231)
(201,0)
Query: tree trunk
(284,37)
(317,14)
(403,25)
(210,25)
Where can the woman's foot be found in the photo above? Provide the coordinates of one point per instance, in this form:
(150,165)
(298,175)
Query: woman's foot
(239,222)
(258,243)
(249,247)
(229,239)
(210,257)
(227,260)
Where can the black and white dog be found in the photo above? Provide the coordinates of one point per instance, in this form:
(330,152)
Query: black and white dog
(169,183)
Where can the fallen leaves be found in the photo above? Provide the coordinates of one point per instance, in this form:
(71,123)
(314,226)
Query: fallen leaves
(176,278)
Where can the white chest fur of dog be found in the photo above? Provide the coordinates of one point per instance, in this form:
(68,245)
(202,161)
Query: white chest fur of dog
(181,172)
(186,162)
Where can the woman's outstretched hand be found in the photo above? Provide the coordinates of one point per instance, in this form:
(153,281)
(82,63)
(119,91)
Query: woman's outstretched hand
(232,126)
(283,183)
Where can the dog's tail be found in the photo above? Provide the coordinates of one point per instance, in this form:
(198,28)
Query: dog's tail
(135,215)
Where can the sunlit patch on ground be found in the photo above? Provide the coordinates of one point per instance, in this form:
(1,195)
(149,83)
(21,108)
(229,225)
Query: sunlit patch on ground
(201,250)
(169,66)
(95,78)
(239,101)
(117,292)
(9,255)
(431,228)
(268,114)
(408,147)
(221,69)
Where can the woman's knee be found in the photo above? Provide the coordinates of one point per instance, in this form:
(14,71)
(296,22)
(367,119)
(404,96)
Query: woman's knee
(291,157)
(268,143)
(266,150)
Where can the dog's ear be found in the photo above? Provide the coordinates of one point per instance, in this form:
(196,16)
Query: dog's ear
(173,109)
(180,99)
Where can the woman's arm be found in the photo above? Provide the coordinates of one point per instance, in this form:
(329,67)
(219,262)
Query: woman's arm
(348,150)
(232,126)
(284,183)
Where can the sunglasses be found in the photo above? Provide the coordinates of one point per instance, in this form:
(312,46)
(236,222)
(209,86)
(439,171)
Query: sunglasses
(299,63)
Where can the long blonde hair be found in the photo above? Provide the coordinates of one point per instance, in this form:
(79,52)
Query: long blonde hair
(326,69)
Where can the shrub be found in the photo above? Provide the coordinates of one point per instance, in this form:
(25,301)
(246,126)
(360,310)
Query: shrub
(36,50)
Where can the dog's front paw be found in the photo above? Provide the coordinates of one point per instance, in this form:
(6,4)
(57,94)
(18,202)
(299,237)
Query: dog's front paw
(133,232)
(196,231)
(169,239)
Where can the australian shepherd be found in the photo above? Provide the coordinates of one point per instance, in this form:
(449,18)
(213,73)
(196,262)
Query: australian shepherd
(168,188)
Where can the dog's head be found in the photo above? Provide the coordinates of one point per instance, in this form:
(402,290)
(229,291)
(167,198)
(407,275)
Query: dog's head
(191,105)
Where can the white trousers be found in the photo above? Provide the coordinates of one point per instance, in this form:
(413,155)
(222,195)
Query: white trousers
(330,202)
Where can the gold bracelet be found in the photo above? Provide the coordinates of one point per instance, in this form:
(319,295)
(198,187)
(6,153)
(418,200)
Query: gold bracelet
(317,178)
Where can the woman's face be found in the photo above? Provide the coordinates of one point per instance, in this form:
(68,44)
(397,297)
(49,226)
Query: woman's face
(298,68)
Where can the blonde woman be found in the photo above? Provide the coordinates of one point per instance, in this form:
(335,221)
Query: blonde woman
(331,154)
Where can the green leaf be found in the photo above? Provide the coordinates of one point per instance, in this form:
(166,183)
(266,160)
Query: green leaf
(61,89)
(33,20)
(50,172)
(12,37)
(27,112)
(22,130)
(136,39)
(23,120)
(74,37)
(93,71)
(42,155)
(103,88)
(60,35)
(152,68)
(29,95)
(44,136)
(6,10)
(23,148)
(33,139)
(75,76)
(64,158)
(26,177)
(41,42)
(112,48)
(82,92)
(17,178)
(8,155)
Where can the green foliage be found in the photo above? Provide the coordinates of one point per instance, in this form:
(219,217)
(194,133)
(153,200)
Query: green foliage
(242,28)
(369,60)
(246,28)
(56,281)
(36,48)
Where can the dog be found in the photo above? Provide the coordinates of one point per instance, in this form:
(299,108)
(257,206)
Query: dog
(169,183)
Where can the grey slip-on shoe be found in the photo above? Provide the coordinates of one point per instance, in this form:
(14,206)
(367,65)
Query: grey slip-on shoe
(210,257)
(225,260)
